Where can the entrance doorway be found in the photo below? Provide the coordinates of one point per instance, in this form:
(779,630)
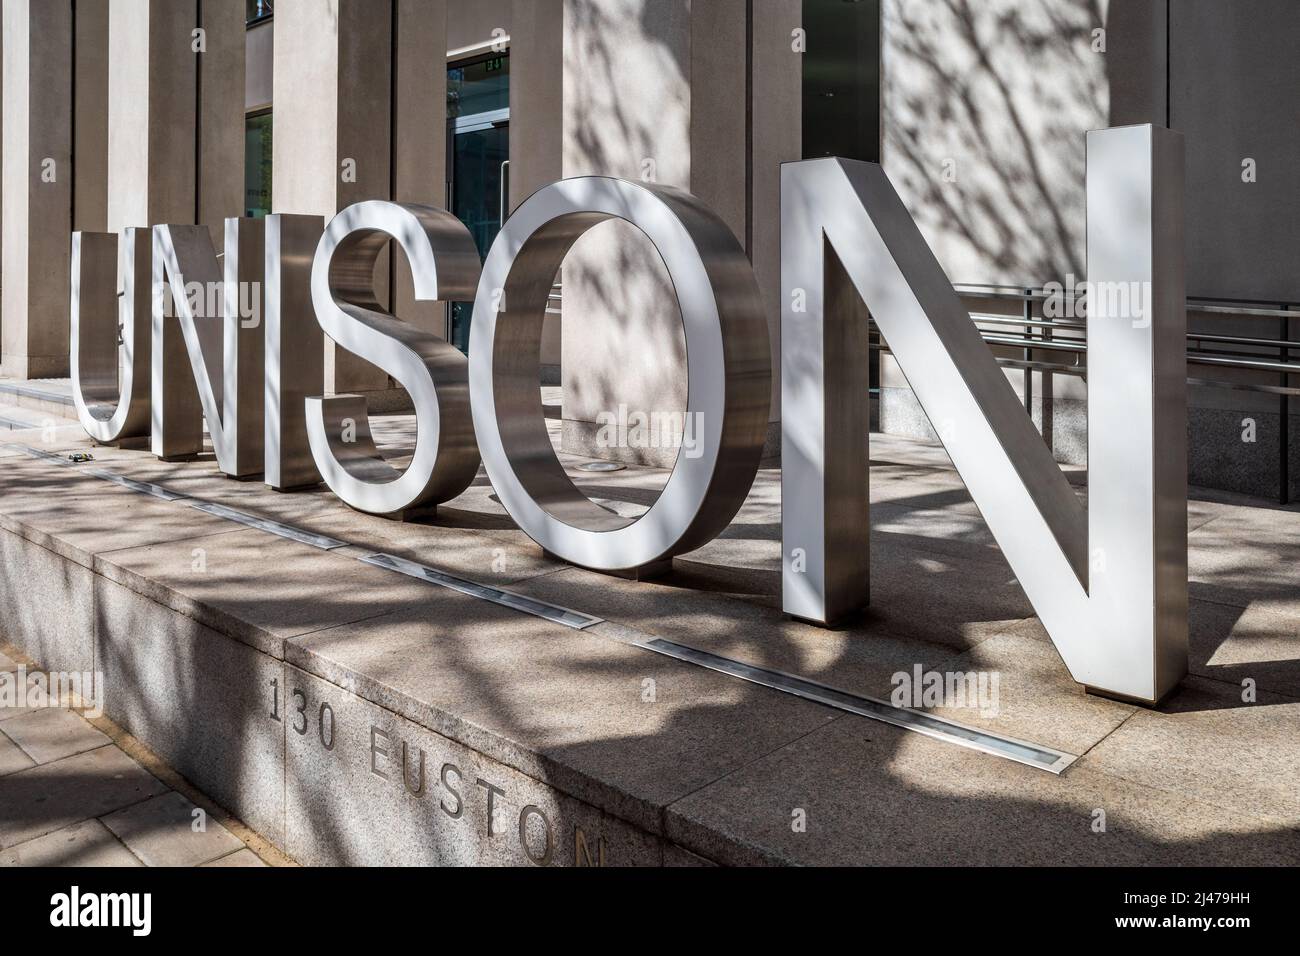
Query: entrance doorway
(478,161)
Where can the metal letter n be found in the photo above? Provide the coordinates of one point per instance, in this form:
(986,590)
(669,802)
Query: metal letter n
(1108,581)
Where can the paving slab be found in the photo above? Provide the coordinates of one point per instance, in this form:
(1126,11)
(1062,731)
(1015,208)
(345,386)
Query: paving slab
(1207,743)
(78,516)
(1246,554)
(202,480)
(1036,699)
(1200,511)
(259,588)
(617,726)
(86,844)
(496,558)
(12,757)
(169,830)
(53,733)
(240,858)
(52,796)
(872,795)
(1259,642)
(860,657)
(34,696)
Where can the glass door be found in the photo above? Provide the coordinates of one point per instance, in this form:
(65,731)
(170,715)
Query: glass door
(478,164)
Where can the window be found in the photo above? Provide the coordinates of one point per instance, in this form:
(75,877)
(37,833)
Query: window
(841,79)
(257,164)
(478,142)
(255,10)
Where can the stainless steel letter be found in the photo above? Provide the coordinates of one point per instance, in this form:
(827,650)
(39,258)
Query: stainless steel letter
(111,389)
(728,373)
(1110,582)
(445,267)
(224,349)
(295,349)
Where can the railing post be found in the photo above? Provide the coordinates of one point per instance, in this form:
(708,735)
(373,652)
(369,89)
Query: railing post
(1284,418)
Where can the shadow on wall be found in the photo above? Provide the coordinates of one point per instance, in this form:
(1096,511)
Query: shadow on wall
(627,114)
(985,105)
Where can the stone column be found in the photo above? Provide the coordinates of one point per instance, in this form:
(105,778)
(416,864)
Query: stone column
(419,135)
(333,128)
(220,141)
(90,113)
(694,96)
(536,123)
(153,113)
(776,137)
(37,186)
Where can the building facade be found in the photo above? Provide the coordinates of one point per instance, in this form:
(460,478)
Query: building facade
(121,113)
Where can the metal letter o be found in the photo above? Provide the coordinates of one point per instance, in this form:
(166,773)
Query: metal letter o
(728,373)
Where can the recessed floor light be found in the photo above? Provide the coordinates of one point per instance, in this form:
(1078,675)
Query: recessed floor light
(602,466)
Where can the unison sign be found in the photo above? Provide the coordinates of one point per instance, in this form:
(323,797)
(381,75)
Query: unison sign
(1108,581)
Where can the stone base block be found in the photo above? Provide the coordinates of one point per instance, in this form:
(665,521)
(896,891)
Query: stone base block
(365,787)
(47,608)
(202,701)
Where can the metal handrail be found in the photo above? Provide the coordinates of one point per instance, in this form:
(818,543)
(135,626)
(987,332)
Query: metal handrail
(1286,366)
(975,290)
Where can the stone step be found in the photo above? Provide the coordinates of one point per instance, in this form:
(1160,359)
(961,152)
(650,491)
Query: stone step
(14,417)
(47,397)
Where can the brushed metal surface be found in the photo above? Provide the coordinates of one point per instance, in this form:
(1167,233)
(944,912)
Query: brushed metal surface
(728,373)
(516,602)
(1109,583)
(444,267)
(224,352)
(322,542)
(110,384)
(295,350)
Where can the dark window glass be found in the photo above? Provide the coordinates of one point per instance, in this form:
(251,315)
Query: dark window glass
(841,79)
(257,165)
(479,87)
(478,140)
(257,10)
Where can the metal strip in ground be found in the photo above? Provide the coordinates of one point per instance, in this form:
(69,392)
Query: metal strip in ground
(321,541)
(139,487)
(1033,755)
(47,455)
(550,612)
